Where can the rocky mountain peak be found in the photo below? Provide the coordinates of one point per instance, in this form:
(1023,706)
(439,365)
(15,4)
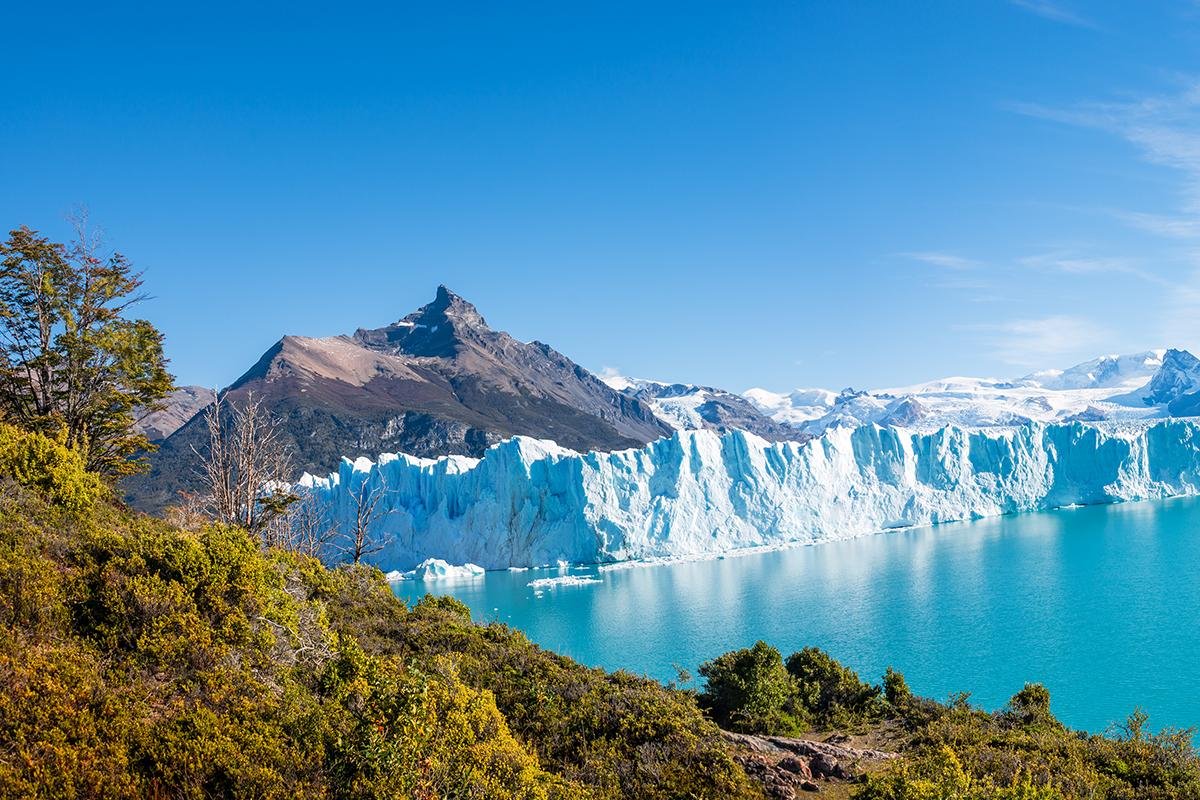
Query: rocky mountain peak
(436,329)
(1178,375)
(451,307)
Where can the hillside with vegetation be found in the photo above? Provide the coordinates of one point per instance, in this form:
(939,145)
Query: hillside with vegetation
(141,659)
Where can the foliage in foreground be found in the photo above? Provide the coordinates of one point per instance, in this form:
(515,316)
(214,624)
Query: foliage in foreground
(951,751)
(72,361)
(137,659)
(37,461)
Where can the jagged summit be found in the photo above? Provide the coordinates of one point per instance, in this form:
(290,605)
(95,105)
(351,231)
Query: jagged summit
(435,330)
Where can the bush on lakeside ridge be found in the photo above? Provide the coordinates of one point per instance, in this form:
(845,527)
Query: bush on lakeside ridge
(950,751)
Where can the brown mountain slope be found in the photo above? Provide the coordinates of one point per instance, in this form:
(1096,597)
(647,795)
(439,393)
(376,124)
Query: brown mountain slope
(437,382)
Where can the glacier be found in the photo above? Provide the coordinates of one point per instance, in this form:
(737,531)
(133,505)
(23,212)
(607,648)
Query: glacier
(699,493)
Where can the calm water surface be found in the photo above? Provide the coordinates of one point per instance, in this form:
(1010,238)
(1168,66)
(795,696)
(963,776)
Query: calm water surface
(1101,604)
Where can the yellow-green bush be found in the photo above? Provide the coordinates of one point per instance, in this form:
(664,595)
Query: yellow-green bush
(36,460)
(140,660)
(940,775)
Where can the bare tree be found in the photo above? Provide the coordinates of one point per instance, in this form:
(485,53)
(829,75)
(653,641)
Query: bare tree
(306,528)
(355,540)
(246,466)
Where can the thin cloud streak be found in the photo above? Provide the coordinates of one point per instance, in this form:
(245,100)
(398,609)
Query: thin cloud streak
(1166,131)
(1033,343)
(941,259)
(1053,11)
(1074,264)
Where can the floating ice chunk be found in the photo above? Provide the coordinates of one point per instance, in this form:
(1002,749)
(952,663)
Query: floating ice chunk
(436,569)
(564,580)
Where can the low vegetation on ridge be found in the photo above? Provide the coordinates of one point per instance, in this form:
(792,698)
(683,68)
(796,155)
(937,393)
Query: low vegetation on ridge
(140,659)
(951,750)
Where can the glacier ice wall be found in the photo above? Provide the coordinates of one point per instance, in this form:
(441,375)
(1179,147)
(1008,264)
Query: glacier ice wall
(530,502)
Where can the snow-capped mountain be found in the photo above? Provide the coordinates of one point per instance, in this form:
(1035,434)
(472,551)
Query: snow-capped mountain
(688,407)
(795,407)
(1177,377)
(1154,383)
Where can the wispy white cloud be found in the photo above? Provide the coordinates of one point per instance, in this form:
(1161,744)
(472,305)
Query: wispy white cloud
(1179,323)
(1054,11)
(1166,131)
(941,259)
(1041,341)
(1073,263)
(1167,225)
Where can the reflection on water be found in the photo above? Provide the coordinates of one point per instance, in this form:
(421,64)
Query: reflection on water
(1100,604)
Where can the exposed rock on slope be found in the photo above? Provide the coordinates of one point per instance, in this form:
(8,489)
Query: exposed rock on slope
(181,405)
(438,382)
(1178,376)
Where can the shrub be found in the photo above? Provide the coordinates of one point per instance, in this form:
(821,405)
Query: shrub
(618,734)
(832,694)
(137,659)
(749,690)
(36,460)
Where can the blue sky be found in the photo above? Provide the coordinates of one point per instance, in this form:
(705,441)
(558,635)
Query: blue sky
(737,194)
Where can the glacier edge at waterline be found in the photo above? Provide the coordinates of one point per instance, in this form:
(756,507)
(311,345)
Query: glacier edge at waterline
(529,502)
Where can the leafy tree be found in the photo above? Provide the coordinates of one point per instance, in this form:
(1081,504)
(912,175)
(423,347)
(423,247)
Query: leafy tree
(73,364)
(829,691)
(749,690)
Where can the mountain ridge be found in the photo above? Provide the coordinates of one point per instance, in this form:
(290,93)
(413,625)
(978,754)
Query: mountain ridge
(437,382)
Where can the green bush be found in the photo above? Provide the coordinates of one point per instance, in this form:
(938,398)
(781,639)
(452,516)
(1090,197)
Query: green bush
(137,659)
(951,751)
(1023,752)
(832,694)
(140,660)
(35,460)
(941,776)
(754,691)
(750,691)
(618,734)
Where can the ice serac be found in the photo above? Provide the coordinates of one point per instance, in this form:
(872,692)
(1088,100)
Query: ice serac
(530,502)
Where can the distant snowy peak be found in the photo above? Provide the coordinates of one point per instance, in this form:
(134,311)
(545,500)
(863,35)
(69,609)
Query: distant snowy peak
(793,408)
(686,407)
(1178,375)
(1152,383)
(1101,373)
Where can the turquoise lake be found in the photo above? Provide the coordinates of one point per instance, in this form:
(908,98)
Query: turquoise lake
(1102,604)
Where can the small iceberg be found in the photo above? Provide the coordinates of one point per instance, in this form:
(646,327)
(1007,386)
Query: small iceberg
(564,580)
(436,569)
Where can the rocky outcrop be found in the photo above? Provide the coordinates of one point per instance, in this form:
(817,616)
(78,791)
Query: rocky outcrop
(179,407)
(785,766)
